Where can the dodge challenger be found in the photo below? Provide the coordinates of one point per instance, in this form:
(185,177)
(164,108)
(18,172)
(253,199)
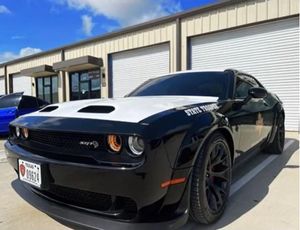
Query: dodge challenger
(160,155)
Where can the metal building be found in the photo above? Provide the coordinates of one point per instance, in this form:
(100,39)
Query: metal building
(257,36)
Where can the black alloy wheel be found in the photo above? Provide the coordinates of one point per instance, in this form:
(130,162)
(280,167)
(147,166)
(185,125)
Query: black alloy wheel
(211,179)
(217,177)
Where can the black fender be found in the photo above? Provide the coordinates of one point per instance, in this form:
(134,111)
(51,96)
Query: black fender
(195,138)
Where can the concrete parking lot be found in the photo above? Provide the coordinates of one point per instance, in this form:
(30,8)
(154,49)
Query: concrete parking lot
(264,195)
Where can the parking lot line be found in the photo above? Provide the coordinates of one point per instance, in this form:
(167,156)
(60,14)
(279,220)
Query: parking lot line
(245,179)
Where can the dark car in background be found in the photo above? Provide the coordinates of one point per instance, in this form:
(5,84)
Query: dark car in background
(15,105)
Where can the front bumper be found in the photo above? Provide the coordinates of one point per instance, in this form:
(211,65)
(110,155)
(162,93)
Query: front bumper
(141,185)
(75,218)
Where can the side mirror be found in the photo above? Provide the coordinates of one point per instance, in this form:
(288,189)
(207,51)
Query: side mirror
(257,92)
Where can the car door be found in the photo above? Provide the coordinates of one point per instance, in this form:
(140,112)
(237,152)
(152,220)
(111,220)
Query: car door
(250,115)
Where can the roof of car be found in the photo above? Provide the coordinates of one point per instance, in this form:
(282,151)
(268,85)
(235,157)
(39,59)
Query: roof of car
(208,70)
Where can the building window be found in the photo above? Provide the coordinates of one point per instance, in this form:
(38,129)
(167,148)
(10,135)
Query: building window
(47,88)
(85,85)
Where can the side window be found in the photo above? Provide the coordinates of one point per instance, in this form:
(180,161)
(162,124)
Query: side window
(28,103)
(242,88)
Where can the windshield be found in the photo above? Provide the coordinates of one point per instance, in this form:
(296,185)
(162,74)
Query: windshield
(10,101)
(186,84)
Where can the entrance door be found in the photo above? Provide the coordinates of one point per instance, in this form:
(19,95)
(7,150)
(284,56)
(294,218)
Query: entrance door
(85,85)
(47,88)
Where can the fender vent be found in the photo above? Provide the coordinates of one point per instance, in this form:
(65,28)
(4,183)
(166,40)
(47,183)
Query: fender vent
(48,109)
(97,109)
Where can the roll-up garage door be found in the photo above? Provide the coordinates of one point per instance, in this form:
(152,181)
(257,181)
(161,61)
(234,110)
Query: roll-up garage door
(21,84)
(2,85)
(131,68)
(269,51)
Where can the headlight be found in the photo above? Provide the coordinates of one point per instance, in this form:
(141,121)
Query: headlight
(114,142)
(25,133)
(136,145)
(18,131)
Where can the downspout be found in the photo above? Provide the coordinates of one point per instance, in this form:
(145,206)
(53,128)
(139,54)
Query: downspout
(178,44)
(5,79)
(63,73)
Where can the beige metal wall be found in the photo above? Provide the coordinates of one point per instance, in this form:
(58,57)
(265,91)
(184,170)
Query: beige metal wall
(234,16)
(146,37)
(44,60)
(1,71)
(241,14)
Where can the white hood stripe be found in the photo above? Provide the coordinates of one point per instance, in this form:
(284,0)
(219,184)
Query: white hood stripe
(129,109)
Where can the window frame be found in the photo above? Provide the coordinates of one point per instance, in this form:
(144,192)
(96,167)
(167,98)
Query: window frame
(50,85)
(89,81)
(243,78)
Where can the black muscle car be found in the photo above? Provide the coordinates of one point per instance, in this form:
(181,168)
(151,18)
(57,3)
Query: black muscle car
(162,154)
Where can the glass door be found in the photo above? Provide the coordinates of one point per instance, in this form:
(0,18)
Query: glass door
(85,85)
(47,88)
(84,90)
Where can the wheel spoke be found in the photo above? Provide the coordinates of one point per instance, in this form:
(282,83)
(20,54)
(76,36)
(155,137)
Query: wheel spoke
(218,159)
(223,174)
(213,202)
(217,191)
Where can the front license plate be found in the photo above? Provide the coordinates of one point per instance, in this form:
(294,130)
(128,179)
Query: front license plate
(30,173)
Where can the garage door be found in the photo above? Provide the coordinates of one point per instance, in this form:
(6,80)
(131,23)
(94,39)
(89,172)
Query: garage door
(21,84)
(267,51)
(129,69)
(2,86)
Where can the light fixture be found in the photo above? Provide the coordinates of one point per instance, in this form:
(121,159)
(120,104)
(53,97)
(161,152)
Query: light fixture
(136,145)
(18,132)
(25,132)
(114,142)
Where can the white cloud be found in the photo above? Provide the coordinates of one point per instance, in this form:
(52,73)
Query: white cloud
(8,56)
(87,24)
(4,10)
(126,12)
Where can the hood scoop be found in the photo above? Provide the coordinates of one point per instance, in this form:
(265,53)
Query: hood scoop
(97,109)
(48,109)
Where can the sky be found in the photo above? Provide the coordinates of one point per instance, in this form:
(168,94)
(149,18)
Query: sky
(31,26)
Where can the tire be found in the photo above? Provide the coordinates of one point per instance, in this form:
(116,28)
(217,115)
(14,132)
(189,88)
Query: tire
(211,181)
(277,145)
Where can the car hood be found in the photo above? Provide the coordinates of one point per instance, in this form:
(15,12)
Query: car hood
(128,109)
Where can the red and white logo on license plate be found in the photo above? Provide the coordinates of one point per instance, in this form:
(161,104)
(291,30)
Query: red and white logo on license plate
(30,173)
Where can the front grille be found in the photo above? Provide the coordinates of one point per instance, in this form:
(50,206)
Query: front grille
(69,141)
(93,201)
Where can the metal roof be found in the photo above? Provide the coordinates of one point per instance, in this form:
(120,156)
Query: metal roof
(155,22)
